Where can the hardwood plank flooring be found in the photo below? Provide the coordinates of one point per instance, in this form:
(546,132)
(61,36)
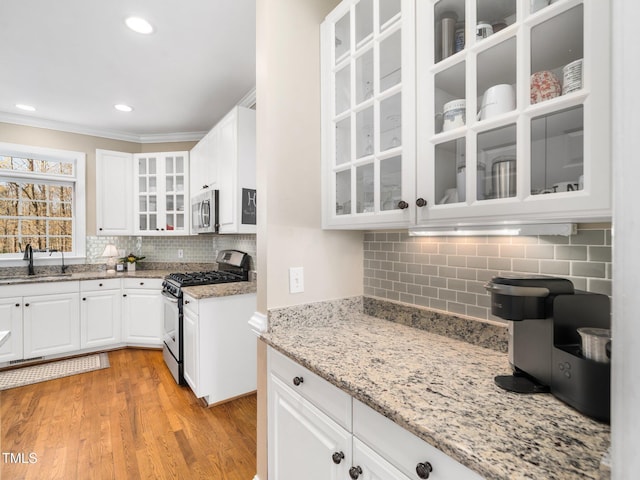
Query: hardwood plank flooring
(130,421)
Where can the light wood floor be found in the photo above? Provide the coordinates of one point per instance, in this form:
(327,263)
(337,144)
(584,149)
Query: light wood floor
(130,421)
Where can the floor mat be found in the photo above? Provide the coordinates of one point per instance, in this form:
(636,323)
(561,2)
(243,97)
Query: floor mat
(49,371)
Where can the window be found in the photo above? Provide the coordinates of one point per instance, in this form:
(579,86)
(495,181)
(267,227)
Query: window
(42,200)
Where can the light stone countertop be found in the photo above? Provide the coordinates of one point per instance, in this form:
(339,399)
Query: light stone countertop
(442,390)
(92,275)
(220,290)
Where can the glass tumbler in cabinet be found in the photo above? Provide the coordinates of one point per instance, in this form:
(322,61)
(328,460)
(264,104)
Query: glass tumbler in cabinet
(367,68)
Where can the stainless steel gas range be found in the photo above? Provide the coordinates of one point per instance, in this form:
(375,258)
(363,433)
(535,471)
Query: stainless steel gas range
(233,266)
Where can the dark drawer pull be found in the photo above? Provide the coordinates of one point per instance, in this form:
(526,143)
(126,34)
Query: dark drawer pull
(424,469)
(297,381)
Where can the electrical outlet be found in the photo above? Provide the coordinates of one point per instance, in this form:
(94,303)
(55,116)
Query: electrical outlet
(180,253)
(296,280)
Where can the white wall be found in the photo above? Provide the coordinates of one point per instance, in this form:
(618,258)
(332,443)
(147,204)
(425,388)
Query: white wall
(288,162)
(625,411)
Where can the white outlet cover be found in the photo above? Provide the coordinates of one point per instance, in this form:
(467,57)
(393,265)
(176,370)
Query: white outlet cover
(296,280)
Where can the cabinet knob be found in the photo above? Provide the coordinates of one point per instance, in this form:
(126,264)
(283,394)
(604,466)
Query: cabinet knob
(26,304)
(100,229)
(17,304)
(99,284)
(337,457)
(297,381)
(124,294)
(424,469)
(421,202)
(186,301)
(205,186)
(355,472)
(84,299)
(402,205)
(141,283)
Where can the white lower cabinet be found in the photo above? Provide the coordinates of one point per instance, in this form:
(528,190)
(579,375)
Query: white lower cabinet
(302,439)
(11,321)
(317,431)
(142,309)
(51,322)
(100,312)
(218,346)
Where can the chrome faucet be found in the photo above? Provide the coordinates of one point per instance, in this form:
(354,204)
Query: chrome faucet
(28,256)
(63,268)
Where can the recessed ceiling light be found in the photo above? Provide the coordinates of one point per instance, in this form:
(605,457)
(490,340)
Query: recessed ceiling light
(123,108)
(139,25)
(28,108)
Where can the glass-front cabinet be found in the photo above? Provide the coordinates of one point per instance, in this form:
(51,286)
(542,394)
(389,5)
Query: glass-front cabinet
(512,111)
(161,196)
(368,112)
(491,111)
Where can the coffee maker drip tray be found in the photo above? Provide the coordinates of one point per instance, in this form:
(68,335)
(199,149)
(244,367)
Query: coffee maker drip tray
(520,384)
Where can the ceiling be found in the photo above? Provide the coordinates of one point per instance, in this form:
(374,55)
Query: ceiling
(75,59)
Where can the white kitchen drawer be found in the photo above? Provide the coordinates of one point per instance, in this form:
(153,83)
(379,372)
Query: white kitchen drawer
(100,284)
(190,304)
(151,283)
(403,449)
(39,288)
(322,394)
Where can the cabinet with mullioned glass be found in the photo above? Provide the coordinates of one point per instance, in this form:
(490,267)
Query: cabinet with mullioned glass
(161,193)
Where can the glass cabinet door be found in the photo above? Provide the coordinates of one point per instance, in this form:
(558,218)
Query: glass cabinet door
(366,111)
(175,193)
(162,202)
(512,109)
(147,194)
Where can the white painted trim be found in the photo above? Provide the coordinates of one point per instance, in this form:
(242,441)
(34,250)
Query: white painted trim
(258,323)
(625,376)
(96,132)
(249,100)
(256,477)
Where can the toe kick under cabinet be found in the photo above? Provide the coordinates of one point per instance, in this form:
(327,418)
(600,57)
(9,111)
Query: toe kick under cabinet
(318,432)
(457,112)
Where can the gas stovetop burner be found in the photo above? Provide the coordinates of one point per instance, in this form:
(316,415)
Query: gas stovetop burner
(204,278)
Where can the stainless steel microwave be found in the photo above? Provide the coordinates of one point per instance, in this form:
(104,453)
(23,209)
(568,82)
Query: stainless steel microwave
(204,212)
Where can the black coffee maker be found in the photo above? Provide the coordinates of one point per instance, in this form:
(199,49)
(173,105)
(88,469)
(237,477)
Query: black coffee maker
(544,344)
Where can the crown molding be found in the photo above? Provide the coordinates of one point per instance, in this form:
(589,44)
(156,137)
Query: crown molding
(96,132)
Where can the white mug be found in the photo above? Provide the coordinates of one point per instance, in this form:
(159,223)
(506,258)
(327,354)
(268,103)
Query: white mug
(483,30)
(454,113)
(496,100)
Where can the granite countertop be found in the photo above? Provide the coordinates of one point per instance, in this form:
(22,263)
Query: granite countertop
(220,290)
(442,390)
(92,275)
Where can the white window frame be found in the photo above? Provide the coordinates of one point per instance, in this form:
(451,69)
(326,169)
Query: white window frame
(78,179)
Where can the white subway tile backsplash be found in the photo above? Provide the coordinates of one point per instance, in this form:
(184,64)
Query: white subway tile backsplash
(449,273)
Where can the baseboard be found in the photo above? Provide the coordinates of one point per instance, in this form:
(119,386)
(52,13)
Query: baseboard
(258,323)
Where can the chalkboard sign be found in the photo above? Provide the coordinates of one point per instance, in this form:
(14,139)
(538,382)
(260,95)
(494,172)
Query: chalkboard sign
(248,206)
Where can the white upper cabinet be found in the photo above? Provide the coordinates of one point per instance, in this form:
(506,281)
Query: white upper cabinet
(236,160)
(203,166)
(511,113)
(161,200)
(114,209)
(368,113)
(533,142)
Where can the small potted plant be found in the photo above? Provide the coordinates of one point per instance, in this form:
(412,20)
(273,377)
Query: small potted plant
(130,261)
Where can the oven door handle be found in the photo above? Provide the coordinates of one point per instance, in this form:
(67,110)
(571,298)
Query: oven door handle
(170,297)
